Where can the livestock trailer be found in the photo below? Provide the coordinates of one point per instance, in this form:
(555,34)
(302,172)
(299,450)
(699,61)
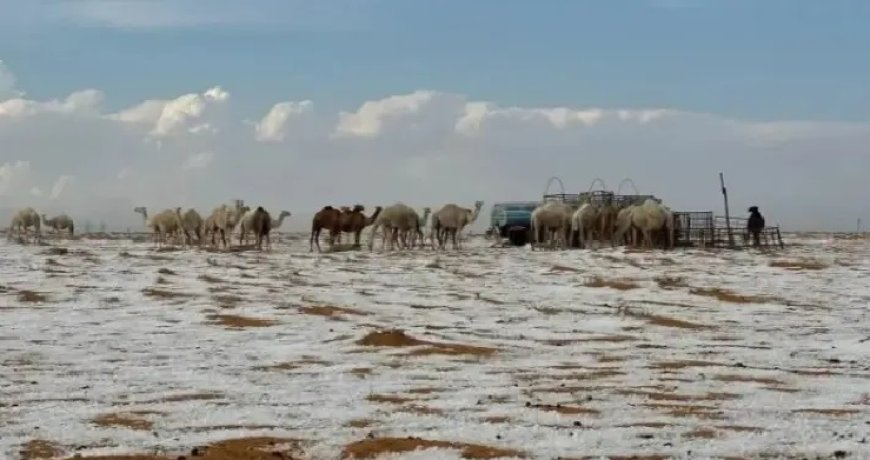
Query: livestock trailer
(512,220)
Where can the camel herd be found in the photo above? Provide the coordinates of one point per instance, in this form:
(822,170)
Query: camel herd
(27,218)
(223,221)
(553,224)
(399,224)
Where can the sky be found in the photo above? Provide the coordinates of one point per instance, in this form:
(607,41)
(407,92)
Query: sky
(295,104)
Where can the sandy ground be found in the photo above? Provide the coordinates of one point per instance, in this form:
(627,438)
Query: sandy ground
(110,347)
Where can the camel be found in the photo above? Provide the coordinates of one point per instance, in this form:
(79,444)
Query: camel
(58,223)
(276,223)
(651,217)
(553,217)
(327,218)
(223,220)
(450,220)
(584,220)
(24,219)
(354,221)
(420,226)
(191,224)
(395,220)
(261,225)
(247,216)
(622,226)
(606,221)
(162,224)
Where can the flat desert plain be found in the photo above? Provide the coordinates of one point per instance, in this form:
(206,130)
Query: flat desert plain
(109,348)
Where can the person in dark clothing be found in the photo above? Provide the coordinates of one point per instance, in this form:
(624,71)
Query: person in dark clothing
(755,225)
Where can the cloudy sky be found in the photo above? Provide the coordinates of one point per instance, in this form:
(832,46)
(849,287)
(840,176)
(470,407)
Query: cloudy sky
(295,104)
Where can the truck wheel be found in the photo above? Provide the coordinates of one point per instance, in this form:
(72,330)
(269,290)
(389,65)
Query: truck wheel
(518,236)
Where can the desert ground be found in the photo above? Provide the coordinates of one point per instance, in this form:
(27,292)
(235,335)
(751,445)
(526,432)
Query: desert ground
(111,347)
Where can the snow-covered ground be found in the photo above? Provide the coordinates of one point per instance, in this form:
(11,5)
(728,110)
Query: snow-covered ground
(115,347)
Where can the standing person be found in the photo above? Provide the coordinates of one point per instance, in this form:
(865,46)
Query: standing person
(755,225)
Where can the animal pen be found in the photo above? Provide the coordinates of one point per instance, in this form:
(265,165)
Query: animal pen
(512,220)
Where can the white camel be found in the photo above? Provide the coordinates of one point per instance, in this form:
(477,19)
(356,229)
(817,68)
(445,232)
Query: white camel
(449,221)
(191,225)
(623,225)
(223,220)
(58,223)
(24,219)
(554,218)
(584,221)
(421,225)
(163,224)
(393,221)
(651,218)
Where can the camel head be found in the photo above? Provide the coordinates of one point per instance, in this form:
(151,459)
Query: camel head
(284,214)
(141,210)
(178,210)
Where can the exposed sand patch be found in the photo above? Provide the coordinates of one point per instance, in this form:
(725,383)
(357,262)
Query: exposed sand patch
(397,338)
(567,410)
(563,268)
(330,311)
(725,295)
(240,322)
(675,365)
(748,378)
(671,282)
(611,338)
(496,419)
(829,412)
(619,284)
(28,296)
(227,300)
(371,448)
(392,399)
(38,449)
(700,433)
(687,410)
(798,264)
(254,448)
(132,420)
(210,279)
(360,423)
(184,397)
(645,425)
(665,321)
(164,294)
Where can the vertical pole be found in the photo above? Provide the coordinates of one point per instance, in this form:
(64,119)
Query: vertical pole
(859,225)
(727,212)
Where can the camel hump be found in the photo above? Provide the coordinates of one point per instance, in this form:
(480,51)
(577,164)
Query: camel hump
(327,208)
(260,209)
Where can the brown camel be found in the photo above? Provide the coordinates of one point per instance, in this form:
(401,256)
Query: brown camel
(328,218)
(261,224)
(354,221)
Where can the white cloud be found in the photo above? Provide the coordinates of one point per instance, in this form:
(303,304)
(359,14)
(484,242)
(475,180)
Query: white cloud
(59,186)
(86,102)
(477,114)
(273,126)
(184,113)
(369,118)
(7,83)
(199,161)
(425,148)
